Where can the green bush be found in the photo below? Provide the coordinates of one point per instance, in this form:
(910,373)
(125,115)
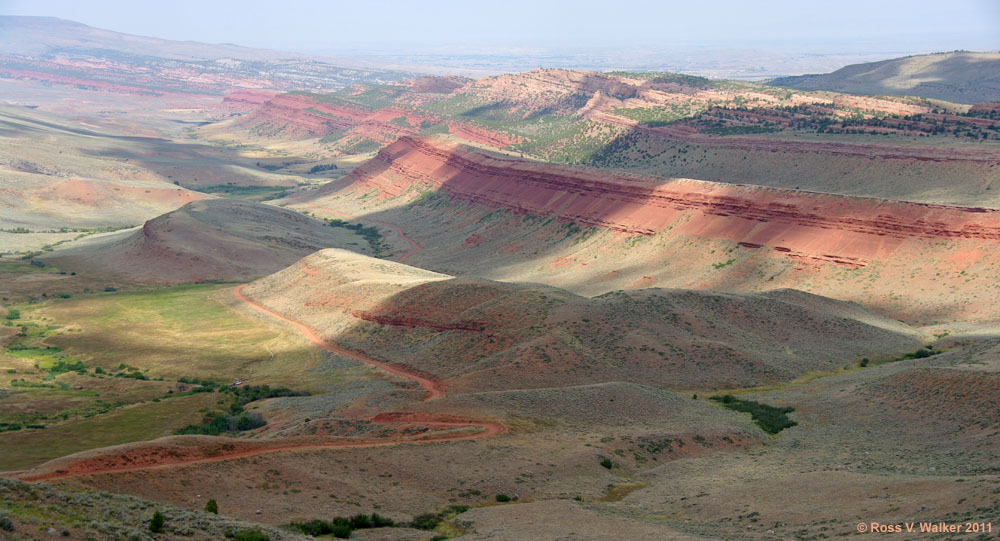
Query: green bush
(6,524)
(503,498)
(13,314)
(341,527)
(426,521)
(246,535)
(156,523)
(769,418)
(606,462)
(213,425)
(361,521)
(211,506)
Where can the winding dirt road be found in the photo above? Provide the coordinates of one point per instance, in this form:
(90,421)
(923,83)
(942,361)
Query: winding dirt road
(433,388)
(158,456)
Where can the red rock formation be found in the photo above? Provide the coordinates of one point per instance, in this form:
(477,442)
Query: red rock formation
(801,225)
(246,100)
(303,116)
(485,136)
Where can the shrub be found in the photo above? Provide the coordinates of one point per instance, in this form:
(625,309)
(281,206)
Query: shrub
(342,527)
(156,523)
(341,531)
(606,462)
(211,506)
(864,362)
(361,521)
(213,425)
(426,521)
(246,535)
(314,527)
(6,524)
(13,314)
(503,498)
(110,289)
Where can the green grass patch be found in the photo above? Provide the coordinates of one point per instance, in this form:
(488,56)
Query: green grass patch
(24,449)
(770,419)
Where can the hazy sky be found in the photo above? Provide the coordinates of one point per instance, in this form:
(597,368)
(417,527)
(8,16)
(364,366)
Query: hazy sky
(385,24)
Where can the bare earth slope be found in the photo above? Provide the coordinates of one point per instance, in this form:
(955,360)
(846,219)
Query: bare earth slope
(478,335)
(216,239)
(594,232)
(963,77)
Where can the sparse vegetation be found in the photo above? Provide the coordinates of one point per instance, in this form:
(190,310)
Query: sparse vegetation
(370,233)
(246,535)
(341,527)
(322,167)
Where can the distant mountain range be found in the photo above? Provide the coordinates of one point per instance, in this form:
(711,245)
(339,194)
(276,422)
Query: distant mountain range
(963,77)
(57,51)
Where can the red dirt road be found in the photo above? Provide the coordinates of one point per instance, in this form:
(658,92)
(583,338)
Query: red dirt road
(154,456)
(433,388)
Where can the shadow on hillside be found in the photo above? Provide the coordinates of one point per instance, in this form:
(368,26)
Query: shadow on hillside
(871,79)
(497,230)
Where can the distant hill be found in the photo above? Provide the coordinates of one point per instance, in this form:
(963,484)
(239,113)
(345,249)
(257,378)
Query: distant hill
(56,51)
(962,77)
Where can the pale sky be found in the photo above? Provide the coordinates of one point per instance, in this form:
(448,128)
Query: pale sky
(385,25)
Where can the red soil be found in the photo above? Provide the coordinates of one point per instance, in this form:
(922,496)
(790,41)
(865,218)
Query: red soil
(103,194)
(848,231)
(433,388)
(246,100)
(481,135)
(215,449)
(152,456)
(299,115)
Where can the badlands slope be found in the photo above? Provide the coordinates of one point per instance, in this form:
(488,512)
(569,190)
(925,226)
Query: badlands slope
(215,239)
(593,232)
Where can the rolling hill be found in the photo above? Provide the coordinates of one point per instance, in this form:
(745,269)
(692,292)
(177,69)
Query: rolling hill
(961,76)
(215,239)
(478,335)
